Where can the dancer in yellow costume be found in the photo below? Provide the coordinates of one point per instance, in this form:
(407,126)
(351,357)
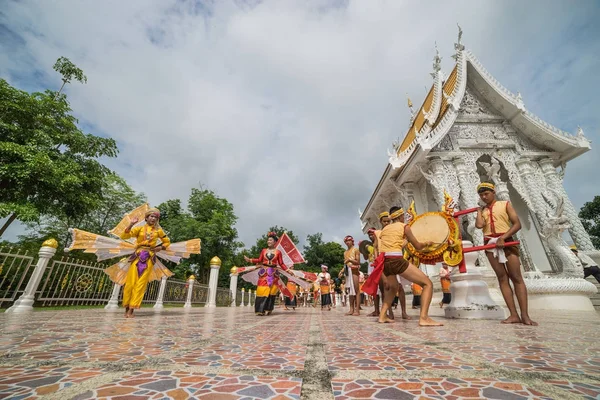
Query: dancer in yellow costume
(143,242)
(142,261)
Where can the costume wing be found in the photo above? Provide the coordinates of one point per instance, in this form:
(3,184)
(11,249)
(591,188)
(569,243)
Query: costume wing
(139,213)
(159,271)
(243,270)
(102,246)
(294,279)
(179,250)
(309,276)
(284,290)
(251,277)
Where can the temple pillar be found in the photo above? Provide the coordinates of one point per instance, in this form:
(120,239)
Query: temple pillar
(438,183)
(468,189)
(577,231)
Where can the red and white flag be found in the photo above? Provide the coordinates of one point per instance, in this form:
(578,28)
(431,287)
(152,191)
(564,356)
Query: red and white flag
(289,252)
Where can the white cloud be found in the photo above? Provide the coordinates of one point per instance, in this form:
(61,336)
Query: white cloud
(286,108)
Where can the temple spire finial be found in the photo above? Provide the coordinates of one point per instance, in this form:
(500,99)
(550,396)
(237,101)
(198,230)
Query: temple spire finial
(580,133)
(458,46)
(410,105)
(437,61)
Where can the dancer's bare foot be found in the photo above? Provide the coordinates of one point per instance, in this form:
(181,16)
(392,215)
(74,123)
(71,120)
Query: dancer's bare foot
(414,307)
(513,319)
(385,320)
(527,321)
(441,304)
(429,322)
(126,312)
(356,314)
(373,314)
(350,313)
(406,316)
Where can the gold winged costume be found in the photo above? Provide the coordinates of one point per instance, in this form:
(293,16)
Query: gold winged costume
(142,264)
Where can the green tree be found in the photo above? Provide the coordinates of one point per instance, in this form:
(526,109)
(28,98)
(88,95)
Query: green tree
(48,166)
(117,199)
(68,70)
(590,217)
(318,252)
(210,218)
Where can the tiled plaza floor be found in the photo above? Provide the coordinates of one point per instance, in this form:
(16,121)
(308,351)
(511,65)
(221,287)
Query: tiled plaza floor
(229,353)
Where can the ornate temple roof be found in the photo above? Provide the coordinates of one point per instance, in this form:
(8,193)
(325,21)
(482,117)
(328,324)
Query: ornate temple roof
(441,107)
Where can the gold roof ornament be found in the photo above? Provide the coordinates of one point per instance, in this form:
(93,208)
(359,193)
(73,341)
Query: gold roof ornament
(50,243)
(192,278)
(233,270)
(215,261)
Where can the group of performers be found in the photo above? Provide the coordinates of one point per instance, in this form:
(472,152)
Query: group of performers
(499,223)
(144,242)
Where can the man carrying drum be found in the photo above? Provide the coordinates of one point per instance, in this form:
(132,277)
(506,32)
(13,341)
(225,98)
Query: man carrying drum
(500,222)
(390,262)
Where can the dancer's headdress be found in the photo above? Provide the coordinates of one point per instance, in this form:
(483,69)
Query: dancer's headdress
(154,211)
(348,238)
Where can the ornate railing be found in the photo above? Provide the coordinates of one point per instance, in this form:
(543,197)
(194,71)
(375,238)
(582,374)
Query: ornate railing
(15,269)
(74,282)
(199,293)
(68,282)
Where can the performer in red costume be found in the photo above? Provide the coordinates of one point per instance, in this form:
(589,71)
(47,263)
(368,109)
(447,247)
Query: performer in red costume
(271,261)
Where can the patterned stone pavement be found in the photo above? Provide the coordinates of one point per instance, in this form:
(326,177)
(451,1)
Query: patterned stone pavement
(229,353)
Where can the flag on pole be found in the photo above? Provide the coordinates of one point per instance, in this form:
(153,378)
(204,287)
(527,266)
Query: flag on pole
(289,252)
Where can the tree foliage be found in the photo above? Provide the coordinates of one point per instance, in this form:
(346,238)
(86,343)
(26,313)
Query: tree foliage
(210,218)
(318,252)
(48,166)
(117,199)
(590,217)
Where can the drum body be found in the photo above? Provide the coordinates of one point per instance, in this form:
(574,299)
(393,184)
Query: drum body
(441,229)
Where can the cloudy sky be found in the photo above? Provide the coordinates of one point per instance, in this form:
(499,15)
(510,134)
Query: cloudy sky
(286,108)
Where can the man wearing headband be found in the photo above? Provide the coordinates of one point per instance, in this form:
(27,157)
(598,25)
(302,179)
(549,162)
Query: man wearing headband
(391,263)
(351,271)
(324,280)
(500,222)
(384,220)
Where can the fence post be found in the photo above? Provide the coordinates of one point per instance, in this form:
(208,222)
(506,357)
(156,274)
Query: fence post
(113,302)
(25,302)
(233,284)
(243,295)
(215,264)
(161,294)
(249,298)
(188,301)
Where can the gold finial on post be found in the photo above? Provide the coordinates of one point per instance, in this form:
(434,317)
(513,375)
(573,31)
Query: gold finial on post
(234,270)
(215,261)
(50,243)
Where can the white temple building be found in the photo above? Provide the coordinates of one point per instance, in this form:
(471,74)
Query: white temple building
(471,129)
